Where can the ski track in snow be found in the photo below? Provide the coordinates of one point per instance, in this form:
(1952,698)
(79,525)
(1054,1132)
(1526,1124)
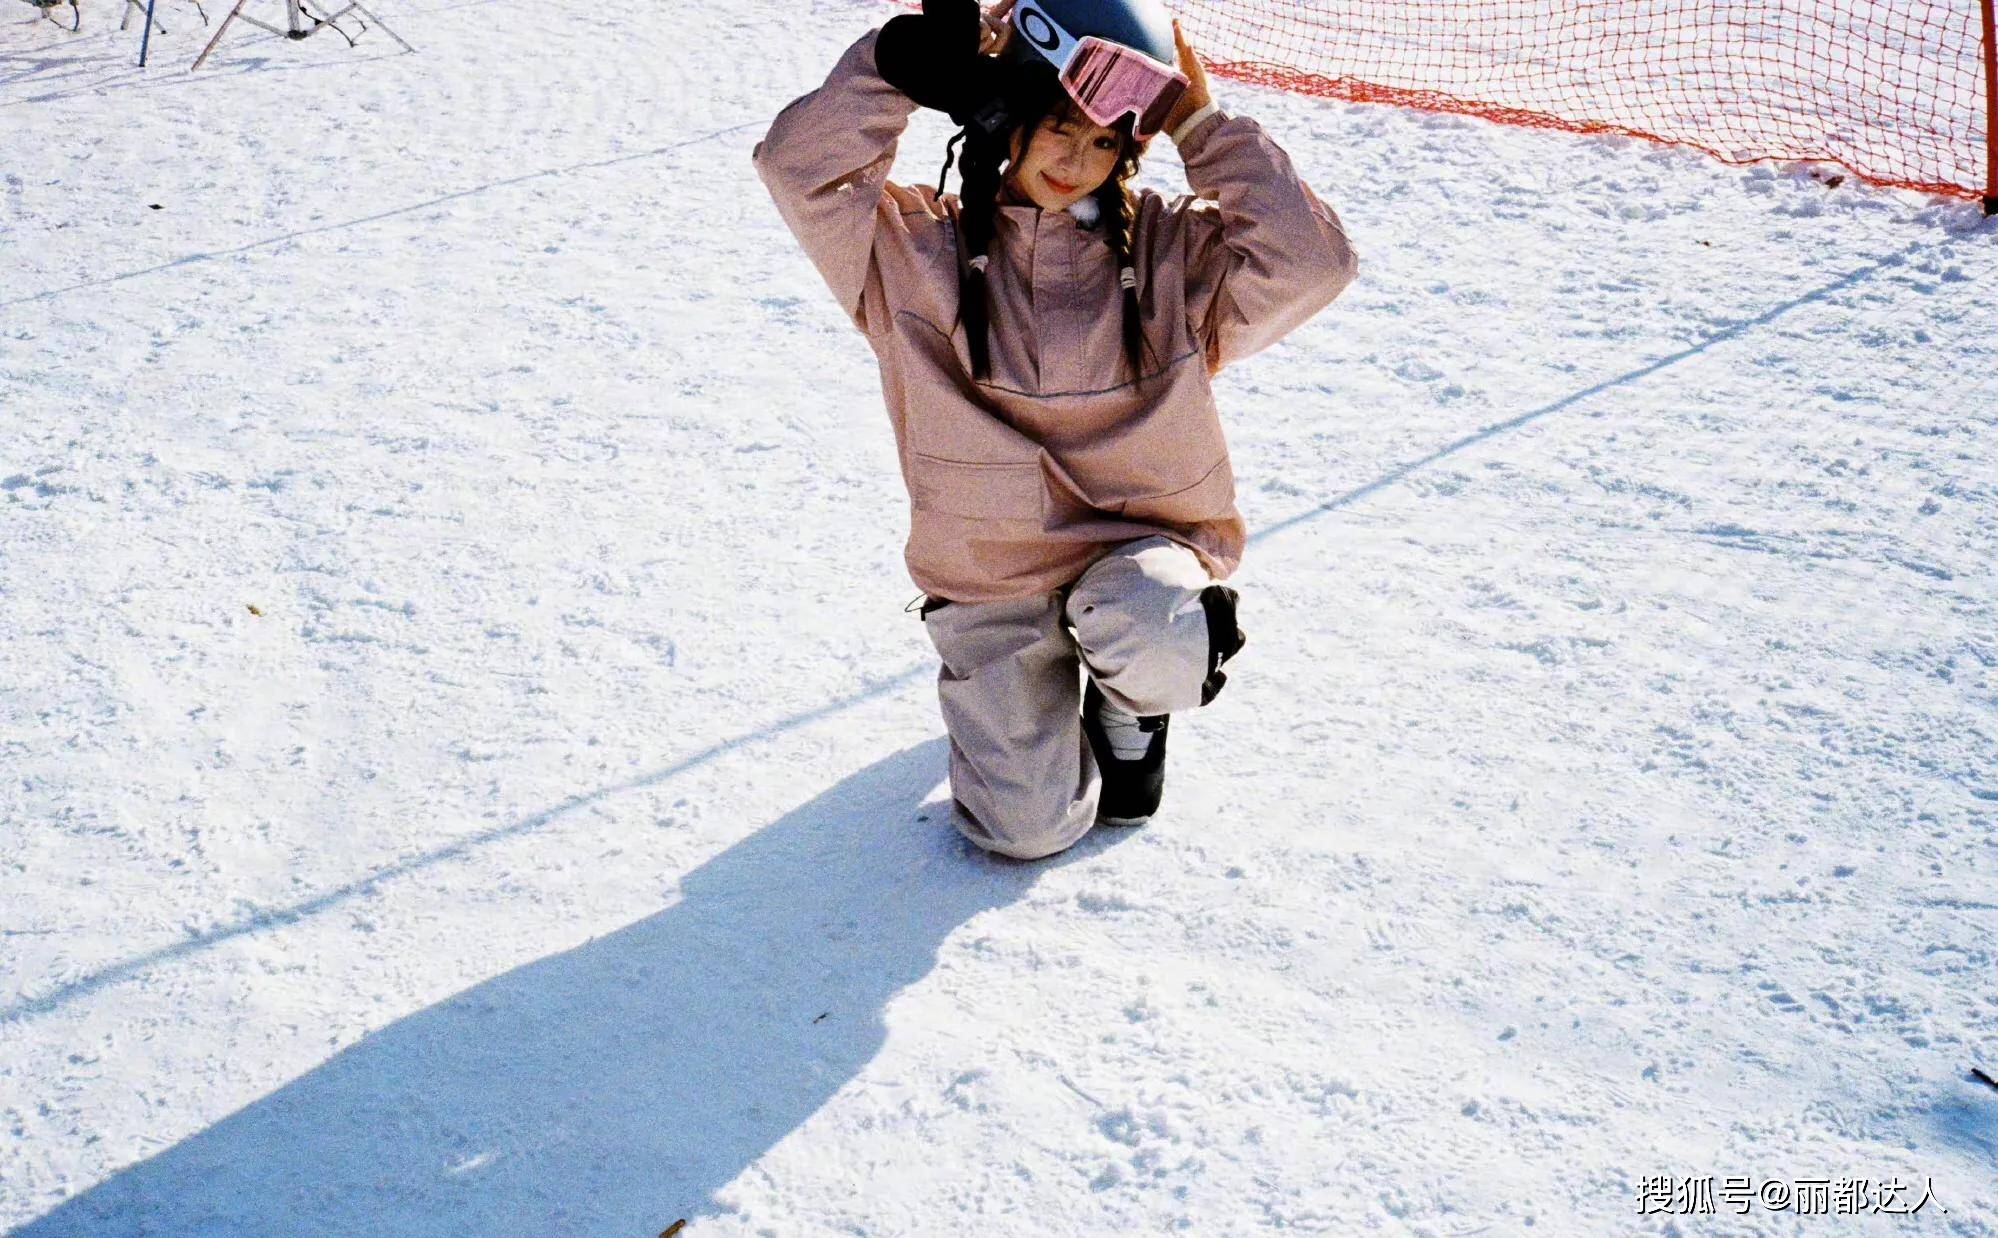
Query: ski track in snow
(1607,789)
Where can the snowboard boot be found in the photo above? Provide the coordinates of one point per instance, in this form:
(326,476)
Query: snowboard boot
(1130,753)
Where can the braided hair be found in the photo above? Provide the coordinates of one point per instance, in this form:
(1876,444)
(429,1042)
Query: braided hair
(983,166)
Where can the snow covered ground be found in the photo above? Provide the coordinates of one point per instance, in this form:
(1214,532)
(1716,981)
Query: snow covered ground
(467,770)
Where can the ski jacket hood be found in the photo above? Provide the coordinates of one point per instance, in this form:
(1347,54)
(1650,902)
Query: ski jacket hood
(1017,483)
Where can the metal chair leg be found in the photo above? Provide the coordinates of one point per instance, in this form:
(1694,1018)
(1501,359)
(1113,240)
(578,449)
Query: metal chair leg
(391,34)
(219,32)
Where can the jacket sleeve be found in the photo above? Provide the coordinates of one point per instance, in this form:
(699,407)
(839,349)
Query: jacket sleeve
(825,161)
(1263,254)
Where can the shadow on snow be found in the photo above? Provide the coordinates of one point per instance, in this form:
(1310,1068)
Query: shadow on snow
(618,1085)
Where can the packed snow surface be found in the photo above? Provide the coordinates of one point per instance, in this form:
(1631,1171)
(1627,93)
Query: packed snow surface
(465,767)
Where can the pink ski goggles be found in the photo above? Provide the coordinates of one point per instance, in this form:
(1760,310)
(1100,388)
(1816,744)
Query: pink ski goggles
(1107,80)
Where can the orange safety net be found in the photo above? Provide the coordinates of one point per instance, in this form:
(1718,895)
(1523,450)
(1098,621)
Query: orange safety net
(1895,91)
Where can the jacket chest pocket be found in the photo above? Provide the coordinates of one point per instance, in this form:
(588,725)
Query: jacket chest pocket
(977,491)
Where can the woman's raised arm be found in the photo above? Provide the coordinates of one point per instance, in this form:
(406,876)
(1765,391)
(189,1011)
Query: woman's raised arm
(1269,255)
(1272,254)
(825,161)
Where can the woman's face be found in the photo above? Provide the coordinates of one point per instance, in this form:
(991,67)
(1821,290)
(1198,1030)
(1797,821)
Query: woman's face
(1068,159)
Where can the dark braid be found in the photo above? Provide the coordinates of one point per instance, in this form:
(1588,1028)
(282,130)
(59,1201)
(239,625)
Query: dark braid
(1119,207)
(980,165)
(983,164)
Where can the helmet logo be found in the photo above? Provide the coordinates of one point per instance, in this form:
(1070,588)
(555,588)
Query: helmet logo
(1036,26)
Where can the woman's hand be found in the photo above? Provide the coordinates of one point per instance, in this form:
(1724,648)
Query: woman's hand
(1196,96)
(996,30)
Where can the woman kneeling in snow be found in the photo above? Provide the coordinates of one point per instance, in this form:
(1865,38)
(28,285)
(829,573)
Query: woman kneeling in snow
(1046,342)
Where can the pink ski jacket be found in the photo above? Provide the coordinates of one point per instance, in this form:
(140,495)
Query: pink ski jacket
(1018,483)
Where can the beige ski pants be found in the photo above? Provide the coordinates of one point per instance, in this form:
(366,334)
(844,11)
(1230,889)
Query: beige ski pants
(1011,687)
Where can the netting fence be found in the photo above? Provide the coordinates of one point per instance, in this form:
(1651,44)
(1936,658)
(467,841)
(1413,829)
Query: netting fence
(1898,92)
